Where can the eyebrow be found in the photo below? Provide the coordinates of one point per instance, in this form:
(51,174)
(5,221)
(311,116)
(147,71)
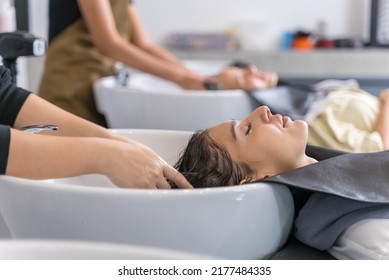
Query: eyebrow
(233,124)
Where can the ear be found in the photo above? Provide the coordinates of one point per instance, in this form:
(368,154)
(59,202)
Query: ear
(264,176)
(254,178)
(244,181)
(248,180)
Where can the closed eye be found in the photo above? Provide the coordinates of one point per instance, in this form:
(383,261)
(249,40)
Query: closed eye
(248,129)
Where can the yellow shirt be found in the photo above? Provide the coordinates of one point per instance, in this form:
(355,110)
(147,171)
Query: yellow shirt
(347,122)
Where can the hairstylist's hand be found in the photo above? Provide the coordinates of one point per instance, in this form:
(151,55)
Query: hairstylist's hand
(190,80)
(382,122)
(253,78)
(248,78)
(134,165)
(264,79)
(384,95)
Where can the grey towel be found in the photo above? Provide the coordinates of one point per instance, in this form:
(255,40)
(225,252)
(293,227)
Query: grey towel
(346,189)
(361,177)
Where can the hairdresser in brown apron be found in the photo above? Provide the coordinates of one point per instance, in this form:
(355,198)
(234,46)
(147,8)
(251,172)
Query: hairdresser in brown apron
(86,38)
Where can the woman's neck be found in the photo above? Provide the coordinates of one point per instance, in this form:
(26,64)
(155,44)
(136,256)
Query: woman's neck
(270,171)
(305,160)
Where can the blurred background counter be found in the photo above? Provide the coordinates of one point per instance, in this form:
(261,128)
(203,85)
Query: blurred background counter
(369,65)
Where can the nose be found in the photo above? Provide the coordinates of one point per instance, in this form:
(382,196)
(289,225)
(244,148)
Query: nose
(262,112)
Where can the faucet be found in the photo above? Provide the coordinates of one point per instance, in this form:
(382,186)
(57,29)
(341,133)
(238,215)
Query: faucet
(122,74)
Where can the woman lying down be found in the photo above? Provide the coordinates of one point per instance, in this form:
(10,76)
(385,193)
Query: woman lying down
(341,200)
(340,115)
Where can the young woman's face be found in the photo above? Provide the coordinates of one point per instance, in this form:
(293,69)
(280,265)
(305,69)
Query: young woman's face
(263,140)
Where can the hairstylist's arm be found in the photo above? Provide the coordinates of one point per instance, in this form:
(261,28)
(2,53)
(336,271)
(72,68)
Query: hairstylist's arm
(52,152)
(127,165)
(140,38)
(248,78)
(99,19)
(382,125)
(36,110)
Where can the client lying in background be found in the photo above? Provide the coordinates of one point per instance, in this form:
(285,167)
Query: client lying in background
(339,114)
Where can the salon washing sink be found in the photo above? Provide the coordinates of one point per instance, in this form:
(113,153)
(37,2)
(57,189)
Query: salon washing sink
(85,250)
(240,222)
(151,103)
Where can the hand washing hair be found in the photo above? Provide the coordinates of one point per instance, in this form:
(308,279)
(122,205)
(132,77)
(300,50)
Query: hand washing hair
(204,163)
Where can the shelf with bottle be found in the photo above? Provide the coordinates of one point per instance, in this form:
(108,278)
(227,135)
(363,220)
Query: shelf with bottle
(363,62)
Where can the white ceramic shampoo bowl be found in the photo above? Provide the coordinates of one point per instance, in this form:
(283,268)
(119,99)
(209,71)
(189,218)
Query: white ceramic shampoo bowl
(82,250)
(240,222)
(152,103)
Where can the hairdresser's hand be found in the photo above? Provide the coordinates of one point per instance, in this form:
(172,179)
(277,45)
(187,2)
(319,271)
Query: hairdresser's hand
(253,78)
(384,95)
(190,80)
(265,79)
(249,78)
(134,165)
(190,84)
(382,122)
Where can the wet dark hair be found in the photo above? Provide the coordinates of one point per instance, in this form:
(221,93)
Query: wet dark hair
(204,163)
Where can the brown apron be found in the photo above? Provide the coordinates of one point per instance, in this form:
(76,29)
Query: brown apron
(73,64)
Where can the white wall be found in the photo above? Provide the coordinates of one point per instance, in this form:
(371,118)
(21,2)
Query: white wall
(39,17)
(39,26)
(343,18)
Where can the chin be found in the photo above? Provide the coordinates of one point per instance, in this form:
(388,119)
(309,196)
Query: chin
(303,129)
(301,124)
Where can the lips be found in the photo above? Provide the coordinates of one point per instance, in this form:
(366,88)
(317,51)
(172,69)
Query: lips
(285,120)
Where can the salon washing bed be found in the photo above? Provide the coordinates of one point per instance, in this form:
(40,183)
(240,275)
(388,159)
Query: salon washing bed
(34,249)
